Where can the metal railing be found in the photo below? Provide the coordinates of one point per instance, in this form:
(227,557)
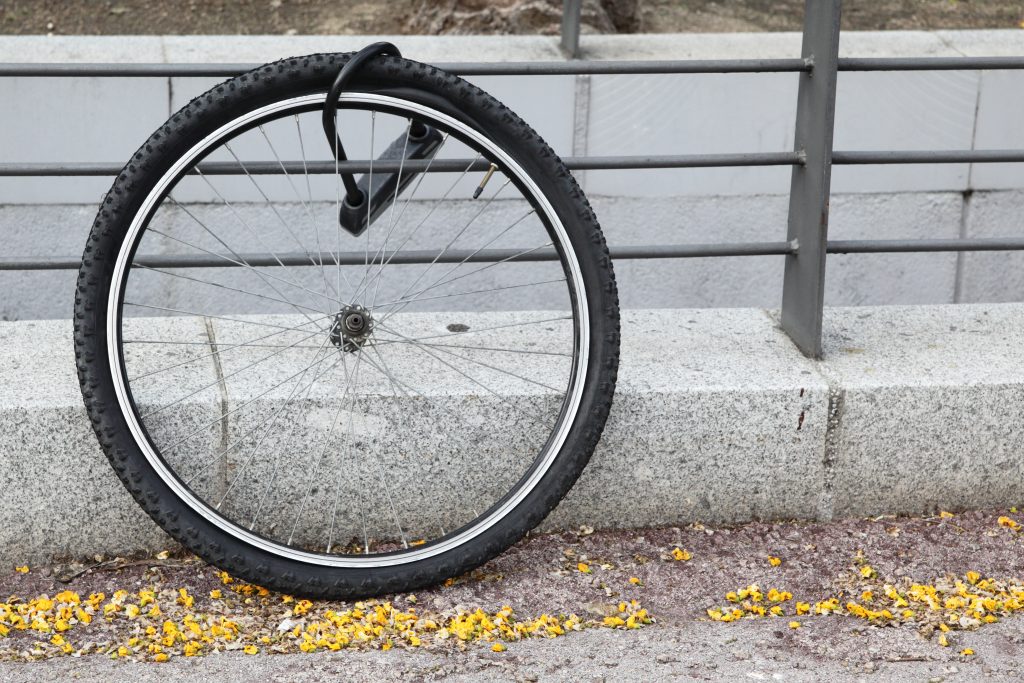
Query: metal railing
(806,244)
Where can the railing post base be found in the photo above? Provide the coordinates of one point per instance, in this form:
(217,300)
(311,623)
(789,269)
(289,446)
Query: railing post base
(803,289)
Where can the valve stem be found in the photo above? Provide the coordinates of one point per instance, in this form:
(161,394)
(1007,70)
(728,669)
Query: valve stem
(487,176)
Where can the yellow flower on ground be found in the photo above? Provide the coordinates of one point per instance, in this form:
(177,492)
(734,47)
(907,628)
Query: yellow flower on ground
(945,515)
(867,571)
(794,624)
(973,576)
(216,594)
(634,580)
(184,598)
(161,657)
(681,555)
(1009,523)
(250,650)
(498,647)
(22,569)
(967,652)
(583,567)
(774,561)
(943,641)
(123,651)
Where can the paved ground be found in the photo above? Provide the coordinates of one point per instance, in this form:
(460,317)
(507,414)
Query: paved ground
(542,575)
(754,650)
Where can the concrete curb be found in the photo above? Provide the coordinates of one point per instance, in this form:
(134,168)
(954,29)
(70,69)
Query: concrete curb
(717,418)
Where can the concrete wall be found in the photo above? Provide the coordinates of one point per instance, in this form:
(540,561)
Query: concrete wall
(106,119)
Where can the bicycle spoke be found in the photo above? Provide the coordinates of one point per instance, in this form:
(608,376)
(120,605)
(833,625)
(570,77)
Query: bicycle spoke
(383,369)
(498,396)
(252,452)
(459,234)
(308,207)
(475,348)
(408,200)
(350,385)
(219,317)
(436,204)
(394,201)
(223,452)
(252,231)
(219,380)
(211,283)
(369,193)
(416,296)
(273,209)
(481,363)
(477,291)
(242,263)
(230,412)
(218,352)
(474,253)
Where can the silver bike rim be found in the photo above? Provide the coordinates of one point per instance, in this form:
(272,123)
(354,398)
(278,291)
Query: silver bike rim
(479,526)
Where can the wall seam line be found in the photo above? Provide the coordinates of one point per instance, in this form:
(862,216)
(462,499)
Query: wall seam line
(833,421)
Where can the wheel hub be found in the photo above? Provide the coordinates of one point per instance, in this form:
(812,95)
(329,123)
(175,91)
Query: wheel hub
(352,327)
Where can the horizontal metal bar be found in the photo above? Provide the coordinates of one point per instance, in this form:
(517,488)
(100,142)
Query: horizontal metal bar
(949,156)
(925,245)
(440,165)
(358,258)
(595,67)
(624,253)
(18,169)
(928,63)
(659,66)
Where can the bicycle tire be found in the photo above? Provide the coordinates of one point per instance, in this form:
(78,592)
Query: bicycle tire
(96,331)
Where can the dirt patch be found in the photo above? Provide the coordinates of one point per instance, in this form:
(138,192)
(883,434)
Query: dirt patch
(155,17)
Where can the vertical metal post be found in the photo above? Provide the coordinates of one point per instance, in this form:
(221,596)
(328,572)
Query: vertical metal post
(571,27)
(803,289)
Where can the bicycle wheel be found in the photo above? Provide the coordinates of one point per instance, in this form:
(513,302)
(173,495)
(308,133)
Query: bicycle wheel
(340,411)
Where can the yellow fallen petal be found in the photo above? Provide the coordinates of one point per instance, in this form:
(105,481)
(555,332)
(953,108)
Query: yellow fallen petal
(583,567)
(498,647)
(774,561)
(250,649)
(22,569)
(681,555)
(794,624)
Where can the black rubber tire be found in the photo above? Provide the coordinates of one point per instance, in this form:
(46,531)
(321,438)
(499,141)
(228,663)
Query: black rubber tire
(274,82)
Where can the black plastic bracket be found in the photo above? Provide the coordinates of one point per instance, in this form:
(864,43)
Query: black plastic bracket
(422,141)
(363,204)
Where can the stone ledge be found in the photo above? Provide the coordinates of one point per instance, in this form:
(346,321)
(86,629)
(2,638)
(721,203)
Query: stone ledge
(717,418)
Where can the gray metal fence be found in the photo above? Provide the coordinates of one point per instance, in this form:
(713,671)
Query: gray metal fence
(806,245)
